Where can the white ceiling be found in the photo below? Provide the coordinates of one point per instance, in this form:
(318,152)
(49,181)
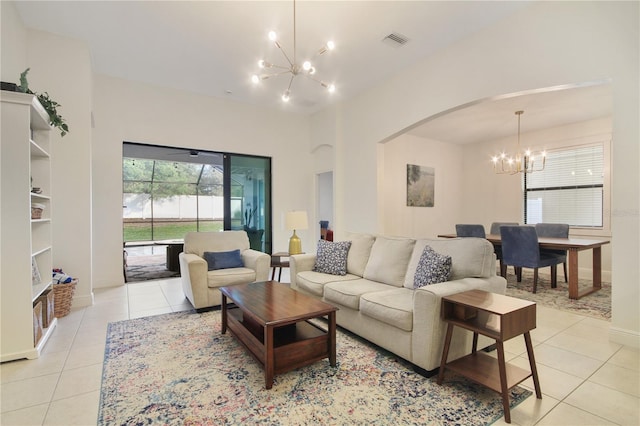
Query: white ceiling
(212,48)
(494,119)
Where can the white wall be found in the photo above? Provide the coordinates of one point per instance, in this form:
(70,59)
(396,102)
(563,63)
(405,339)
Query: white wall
(544,45)
(68,82)
(13,44)
(397,217)
(129,111)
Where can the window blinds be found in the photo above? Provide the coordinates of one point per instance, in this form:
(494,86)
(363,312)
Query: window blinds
(569,189)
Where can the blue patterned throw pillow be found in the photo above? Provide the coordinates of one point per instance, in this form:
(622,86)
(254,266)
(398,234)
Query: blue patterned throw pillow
(332,257)
(432,268)
(223,259)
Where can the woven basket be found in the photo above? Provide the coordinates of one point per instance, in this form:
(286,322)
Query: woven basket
(63,296)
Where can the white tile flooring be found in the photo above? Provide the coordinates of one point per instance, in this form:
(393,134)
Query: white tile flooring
(585,379)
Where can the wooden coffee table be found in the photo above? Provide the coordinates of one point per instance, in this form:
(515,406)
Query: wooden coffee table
(271,321)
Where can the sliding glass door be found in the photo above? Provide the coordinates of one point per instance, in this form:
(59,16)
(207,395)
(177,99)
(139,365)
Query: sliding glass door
(168,192)
(248,198)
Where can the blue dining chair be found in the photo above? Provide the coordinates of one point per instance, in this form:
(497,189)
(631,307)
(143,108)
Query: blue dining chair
(465,230)
(555,230)
(495,230)
(520,249)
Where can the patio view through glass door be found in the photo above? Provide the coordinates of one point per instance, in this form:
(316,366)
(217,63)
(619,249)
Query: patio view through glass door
(168,192)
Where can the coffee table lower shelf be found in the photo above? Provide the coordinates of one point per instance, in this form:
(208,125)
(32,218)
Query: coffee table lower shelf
(294,345)
(485,370)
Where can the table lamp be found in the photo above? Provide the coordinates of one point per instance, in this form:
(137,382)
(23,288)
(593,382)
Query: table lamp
(295,220)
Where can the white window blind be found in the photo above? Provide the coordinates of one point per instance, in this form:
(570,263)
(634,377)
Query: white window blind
(569,189)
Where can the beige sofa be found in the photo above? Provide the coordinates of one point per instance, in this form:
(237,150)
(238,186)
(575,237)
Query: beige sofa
(201,285)
(377,301)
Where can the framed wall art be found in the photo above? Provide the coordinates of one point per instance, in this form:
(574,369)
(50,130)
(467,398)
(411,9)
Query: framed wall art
(420,186)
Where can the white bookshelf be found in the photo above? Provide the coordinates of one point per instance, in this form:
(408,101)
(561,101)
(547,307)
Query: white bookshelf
(24,155)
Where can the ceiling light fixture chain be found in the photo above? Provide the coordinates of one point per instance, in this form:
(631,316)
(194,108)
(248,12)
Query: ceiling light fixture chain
(306,69)
(521,162)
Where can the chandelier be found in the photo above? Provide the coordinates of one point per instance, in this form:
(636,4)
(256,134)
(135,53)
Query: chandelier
(521,162)
(305,69)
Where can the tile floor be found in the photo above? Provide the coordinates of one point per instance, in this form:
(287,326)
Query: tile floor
(585,379)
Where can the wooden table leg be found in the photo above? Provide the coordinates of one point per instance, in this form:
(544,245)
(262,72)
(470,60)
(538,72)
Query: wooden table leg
(224,314)
(573,274)
(532,364)
(503,381)
(445,352)
(268,355)
(332,339)
(574,291)
(597,268)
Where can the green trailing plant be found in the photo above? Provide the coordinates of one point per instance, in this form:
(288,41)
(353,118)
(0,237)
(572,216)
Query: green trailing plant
(48,104)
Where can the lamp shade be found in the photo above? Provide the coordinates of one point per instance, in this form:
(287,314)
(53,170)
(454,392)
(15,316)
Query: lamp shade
(296,220)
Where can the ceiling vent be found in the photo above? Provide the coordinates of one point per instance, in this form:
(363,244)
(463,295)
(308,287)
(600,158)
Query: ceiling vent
(395,40)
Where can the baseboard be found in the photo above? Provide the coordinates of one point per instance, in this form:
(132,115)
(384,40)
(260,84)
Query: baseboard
(82,301)
(624,337)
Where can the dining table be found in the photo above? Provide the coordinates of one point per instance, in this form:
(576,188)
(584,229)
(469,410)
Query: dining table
(572,245)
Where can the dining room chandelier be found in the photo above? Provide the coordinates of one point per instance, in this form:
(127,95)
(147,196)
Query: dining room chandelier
(294,68)
(521,162)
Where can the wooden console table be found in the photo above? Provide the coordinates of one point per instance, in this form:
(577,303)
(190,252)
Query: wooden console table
(498,317)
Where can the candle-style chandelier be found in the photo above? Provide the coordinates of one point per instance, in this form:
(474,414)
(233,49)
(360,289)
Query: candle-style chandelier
(521,162)
(305,69)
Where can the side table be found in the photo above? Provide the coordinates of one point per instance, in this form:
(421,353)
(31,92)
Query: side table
(278,261)
(498,317)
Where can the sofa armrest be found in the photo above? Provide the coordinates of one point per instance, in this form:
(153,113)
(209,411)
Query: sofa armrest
(193,271)
(258,261)
(300,263)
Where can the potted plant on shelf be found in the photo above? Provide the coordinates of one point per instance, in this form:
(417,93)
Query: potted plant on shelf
(49,104)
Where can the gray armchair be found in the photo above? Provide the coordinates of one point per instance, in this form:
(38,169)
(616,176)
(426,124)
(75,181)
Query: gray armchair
(200,280)
(555,230)
(520,249)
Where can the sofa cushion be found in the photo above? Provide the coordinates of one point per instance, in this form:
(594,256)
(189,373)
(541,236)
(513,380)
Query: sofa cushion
(393,307)
(331,257)
(347,293)
(388,260)
(314,282)
(359,252)
(470,257)
(233,276)
(432,268)
(223,259)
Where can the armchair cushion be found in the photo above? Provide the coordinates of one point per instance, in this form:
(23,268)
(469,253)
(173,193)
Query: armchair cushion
(223,259)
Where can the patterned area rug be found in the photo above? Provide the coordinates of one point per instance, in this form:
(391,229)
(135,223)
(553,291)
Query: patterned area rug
(597,305)
(178,369)
(144,268)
